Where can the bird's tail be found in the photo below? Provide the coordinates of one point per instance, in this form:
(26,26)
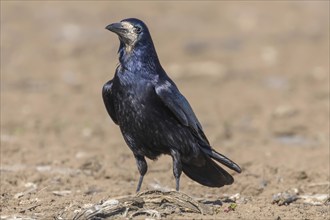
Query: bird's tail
(209,173)
(221,159)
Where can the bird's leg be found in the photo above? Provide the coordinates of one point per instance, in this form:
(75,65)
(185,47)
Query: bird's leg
(177,168)
(142,167)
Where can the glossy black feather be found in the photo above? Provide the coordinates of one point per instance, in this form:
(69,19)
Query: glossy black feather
(108,100)
(210,174)
(152,114)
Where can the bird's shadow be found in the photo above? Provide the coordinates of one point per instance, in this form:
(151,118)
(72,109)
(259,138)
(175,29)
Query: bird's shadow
(217,202)
(212,202)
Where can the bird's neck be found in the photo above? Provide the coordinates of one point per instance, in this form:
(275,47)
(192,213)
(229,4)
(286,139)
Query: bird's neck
(139,57)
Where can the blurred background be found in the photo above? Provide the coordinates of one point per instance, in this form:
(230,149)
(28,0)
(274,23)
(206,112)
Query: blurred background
(256,74)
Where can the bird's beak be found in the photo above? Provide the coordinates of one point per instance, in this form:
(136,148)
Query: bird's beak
(116,28)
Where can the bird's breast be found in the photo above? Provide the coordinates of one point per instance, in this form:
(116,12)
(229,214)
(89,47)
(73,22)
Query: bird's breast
(134,100)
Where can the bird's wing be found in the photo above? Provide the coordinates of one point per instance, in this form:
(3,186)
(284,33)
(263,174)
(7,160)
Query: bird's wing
(108,100)
(180,107)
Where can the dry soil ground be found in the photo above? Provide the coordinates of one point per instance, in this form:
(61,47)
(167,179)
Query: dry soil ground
(256,74)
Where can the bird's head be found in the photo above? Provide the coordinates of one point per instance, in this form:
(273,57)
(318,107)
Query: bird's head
(130,31)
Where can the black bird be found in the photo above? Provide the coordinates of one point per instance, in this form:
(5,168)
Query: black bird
(152,114)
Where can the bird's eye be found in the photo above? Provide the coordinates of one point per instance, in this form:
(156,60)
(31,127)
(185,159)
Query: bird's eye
(138,29)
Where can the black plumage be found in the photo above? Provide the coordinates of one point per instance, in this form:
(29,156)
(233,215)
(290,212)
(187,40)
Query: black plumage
(152,114)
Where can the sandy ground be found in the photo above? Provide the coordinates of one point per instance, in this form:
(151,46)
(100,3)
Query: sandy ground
(256,74)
